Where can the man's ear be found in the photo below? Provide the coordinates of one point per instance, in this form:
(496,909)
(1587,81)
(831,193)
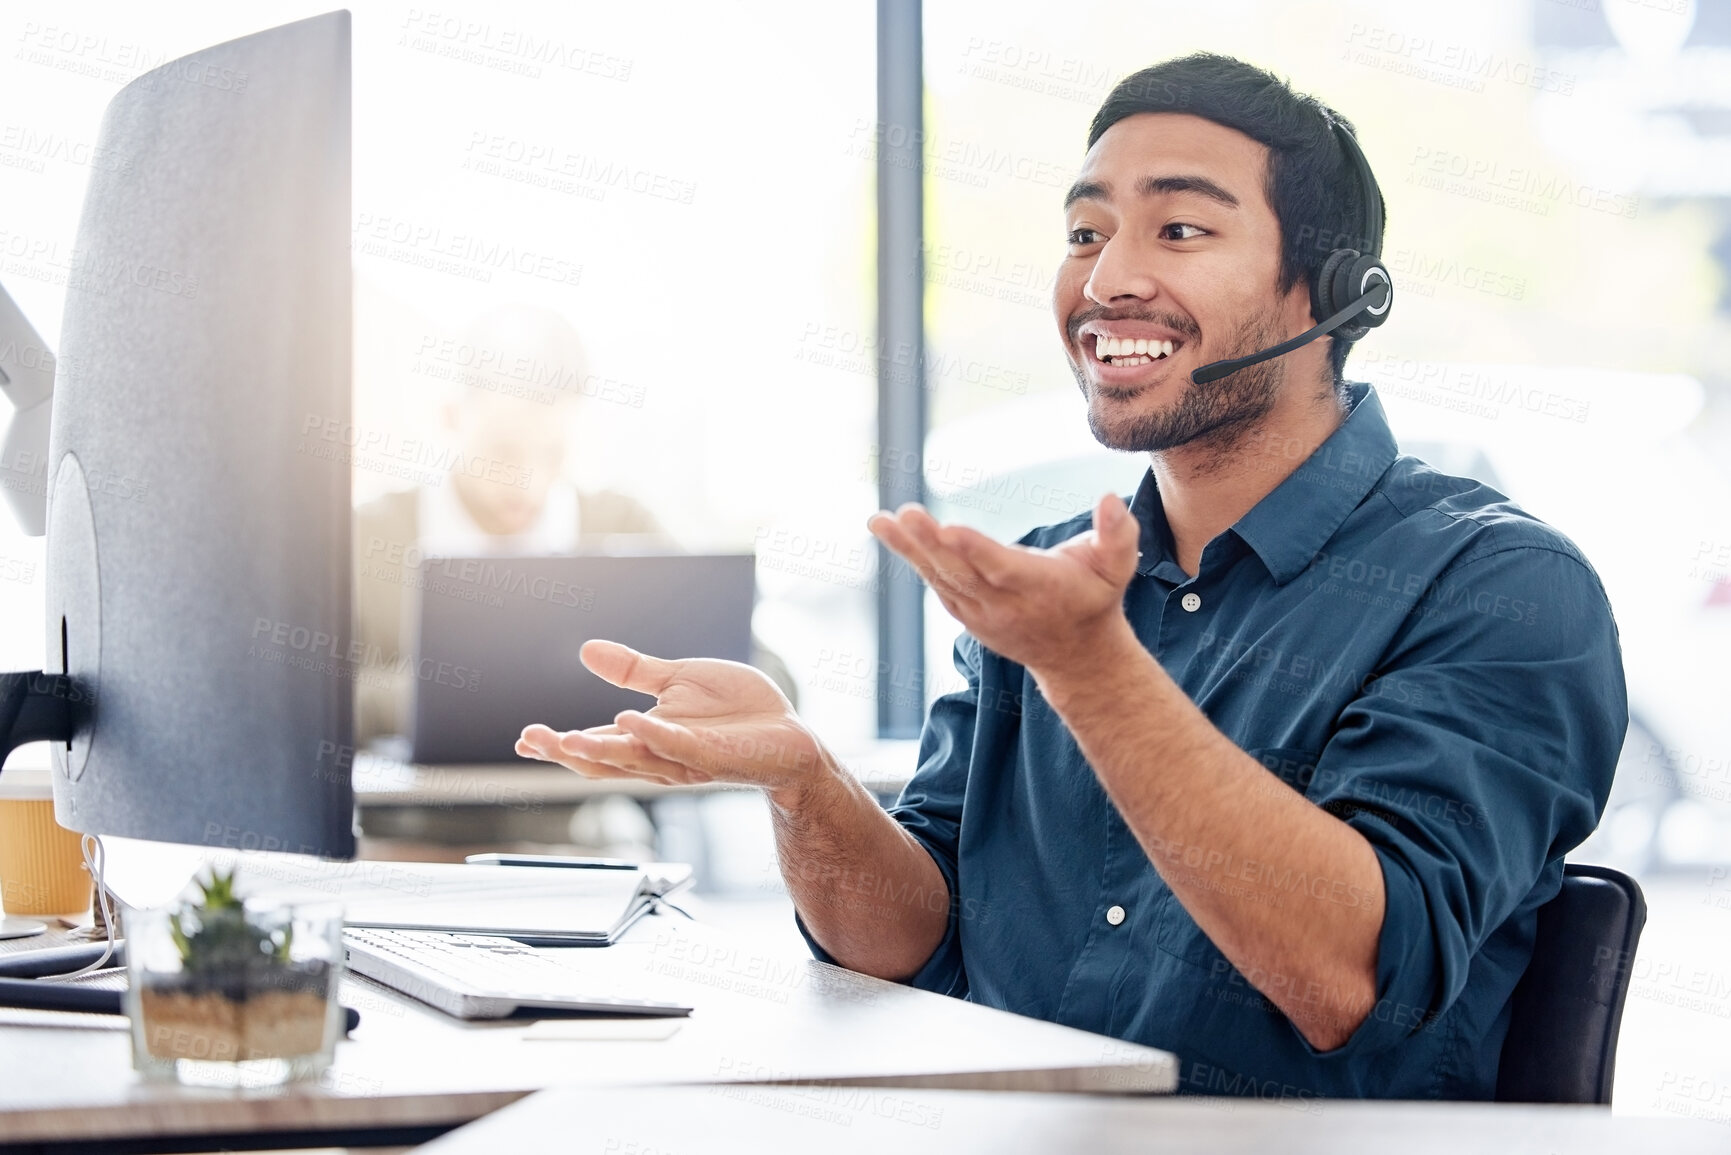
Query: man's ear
(1298,303)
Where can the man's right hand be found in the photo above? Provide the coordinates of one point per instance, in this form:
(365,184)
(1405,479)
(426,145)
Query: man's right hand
(713,721)
(867,890)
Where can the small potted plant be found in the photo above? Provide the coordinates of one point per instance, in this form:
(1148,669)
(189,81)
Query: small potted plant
(231,992)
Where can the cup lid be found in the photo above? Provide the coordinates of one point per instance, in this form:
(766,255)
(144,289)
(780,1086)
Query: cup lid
(26,782)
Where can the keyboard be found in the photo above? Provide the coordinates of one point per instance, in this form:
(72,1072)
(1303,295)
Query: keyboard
(477,976)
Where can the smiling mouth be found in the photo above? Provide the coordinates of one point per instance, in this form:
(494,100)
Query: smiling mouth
(1126,352)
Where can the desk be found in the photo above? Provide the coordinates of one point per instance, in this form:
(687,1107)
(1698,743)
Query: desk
(409,1071)
(883,766)
(444,811)
(718,1120)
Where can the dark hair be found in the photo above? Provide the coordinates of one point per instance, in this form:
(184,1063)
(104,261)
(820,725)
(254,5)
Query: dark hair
(1317,197)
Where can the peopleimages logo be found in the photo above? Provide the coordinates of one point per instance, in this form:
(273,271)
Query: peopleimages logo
(460,254)
(504,48)
(364,448)
(1449,63)
(320,651)
(547,164)
(1513,186)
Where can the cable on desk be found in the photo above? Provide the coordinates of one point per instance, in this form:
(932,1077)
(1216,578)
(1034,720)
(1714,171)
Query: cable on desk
(94,862)
(656,902)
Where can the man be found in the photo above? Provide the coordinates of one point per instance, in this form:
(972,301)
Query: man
(505,494)
(1274,768)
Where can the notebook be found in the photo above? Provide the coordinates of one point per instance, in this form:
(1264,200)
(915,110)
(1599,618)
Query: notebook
(541,906)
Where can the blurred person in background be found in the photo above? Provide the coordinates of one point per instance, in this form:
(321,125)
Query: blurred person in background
(507,424)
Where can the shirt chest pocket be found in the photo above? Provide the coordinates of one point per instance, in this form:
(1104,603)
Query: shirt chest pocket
(1237,877)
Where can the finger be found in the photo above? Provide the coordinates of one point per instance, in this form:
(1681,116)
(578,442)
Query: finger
(624,666)
(538,736)
(620,752)
(888,530)
(665,775)
(1119,537)
(912,533)
(1001,566)
(669,741)
(547,745)
(958,609)
(545,735)
(538,741)
(543,741)
(949,567)
(581,765)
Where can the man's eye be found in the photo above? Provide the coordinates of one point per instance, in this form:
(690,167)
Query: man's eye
(1192,233)
(1085,236)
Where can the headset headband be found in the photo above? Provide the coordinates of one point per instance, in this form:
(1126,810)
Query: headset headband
(1367,183)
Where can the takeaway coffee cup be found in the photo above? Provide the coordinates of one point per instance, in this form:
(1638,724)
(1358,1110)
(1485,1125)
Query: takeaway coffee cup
(41,864)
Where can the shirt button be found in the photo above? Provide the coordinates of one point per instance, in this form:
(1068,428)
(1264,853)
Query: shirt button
(1115,915)
(1191,602)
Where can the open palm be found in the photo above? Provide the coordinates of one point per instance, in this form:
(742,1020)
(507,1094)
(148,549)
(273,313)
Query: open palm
(1044,608)
(713,721)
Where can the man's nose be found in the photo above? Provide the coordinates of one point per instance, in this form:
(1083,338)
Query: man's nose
(1122,271)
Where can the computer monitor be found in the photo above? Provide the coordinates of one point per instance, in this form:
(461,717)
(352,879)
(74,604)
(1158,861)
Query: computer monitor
(198,538)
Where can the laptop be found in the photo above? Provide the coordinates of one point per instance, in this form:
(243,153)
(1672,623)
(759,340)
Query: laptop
(495,640)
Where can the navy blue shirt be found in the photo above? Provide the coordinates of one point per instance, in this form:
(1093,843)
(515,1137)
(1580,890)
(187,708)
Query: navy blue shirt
(1410,651)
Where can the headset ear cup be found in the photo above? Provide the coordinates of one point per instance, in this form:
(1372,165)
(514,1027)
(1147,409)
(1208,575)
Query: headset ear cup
(1326,296)
(1341,290)
(1349,274)
(1362,277)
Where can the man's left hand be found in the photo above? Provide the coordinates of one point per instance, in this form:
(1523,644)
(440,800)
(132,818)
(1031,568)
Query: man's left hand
(1048,609)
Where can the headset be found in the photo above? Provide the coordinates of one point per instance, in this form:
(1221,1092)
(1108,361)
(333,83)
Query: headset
(1351,292)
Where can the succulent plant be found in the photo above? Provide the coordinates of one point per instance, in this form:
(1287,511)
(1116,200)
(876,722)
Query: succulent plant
(218,946)
(239,993)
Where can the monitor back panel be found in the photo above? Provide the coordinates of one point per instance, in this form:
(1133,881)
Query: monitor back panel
(496,640)
(198,531)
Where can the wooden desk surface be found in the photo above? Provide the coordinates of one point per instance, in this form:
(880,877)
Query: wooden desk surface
(718,1120)
(762,1016)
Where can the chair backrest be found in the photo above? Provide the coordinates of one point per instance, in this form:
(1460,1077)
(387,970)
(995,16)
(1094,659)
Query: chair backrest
(1568,1006)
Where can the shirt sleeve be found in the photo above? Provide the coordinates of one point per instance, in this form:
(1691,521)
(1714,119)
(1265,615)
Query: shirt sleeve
(930,809)
(1473,761)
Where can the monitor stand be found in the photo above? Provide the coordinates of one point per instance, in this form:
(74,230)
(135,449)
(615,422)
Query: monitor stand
(34,707)
(37,707)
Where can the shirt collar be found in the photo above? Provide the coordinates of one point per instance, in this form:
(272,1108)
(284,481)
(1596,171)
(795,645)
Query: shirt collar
(1287,528)
(1157,549)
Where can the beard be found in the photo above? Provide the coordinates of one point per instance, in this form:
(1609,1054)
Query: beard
(1218,414)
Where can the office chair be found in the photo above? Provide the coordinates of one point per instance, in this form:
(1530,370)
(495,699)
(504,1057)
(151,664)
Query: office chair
(1568,1006)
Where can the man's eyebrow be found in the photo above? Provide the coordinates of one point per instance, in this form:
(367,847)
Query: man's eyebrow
(1153,186)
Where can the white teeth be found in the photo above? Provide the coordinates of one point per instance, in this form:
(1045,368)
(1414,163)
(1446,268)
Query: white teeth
(1127,351)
